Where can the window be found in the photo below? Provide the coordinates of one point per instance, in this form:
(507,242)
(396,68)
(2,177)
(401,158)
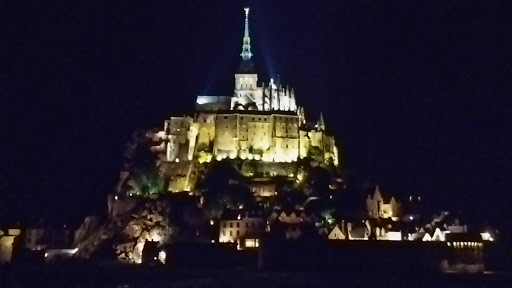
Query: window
(224,233)
(246,225)
(237,233)
(230,233)
(225,225)
(230,224)
(242,118)
(225,117)
(238,224)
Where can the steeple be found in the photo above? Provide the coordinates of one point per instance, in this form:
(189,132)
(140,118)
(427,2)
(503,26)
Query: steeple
(246,47)
(321,123)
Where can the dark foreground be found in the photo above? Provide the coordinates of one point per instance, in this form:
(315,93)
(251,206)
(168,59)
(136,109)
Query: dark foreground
(75,276)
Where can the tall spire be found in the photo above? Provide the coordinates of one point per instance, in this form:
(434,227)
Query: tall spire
(246,47)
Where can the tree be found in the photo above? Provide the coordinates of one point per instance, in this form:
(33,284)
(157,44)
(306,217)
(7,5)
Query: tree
(222,189)
(148,183)
(289,197)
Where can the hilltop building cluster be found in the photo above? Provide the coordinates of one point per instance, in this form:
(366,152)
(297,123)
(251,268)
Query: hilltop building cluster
(259,121)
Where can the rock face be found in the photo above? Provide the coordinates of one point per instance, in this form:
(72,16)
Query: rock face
(88,227)
(147,221)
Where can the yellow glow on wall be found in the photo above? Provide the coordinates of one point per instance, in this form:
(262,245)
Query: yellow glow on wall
(252,243)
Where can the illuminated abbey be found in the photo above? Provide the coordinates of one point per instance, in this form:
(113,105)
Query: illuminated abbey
(260,121)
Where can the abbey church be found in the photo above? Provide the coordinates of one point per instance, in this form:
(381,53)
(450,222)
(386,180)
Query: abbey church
(260,121)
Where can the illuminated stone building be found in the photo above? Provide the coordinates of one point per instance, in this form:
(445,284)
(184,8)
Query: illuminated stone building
(240,227)
(7,237)
(260,121)
(381,206)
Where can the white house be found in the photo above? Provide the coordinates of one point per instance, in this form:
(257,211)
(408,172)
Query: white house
(243,230)
(337,234)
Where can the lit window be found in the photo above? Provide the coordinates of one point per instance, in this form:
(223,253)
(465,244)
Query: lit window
(251,243)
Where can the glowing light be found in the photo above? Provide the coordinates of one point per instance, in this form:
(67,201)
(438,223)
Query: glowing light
(162,256)
(486,236)
(272,84)
(239,217)
(116,197)
(45,254)
(411,217)
(177,160)
(211,222)
(213,241)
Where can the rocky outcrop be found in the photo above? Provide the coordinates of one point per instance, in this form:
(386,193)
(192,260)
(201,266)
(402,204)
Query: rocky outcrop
(128,232)
(88,227)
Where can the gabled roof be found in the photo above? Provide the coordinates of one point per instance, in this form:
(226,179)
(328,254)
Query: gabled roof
(337,233)
(377,194)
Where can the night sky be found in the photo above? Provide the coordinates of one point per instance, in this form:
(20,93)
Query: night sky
(417,95)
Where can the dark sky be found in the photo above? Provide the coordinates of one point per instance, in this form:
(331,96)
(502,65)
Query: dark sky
(416,92)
